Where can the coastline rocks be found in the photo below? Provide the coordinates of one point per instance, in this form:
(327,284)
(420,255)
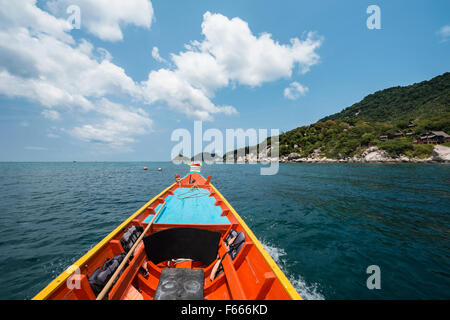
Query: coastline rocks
(181,159)
(374,154)
(262,157)
(371,154)
(417,160)
(293,156)
(441,153)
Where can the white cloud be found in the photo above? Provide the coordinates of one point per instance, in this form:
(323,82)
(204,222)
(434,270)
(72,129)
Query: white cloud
(54,72)
(104,18)
(201,70)
(118,128)
(181,96)
(444,33)
(295,91)
(52,136)
(51,114)
(33,148)
(156,56)
(25,14)
(253,60)
(229,54)
(61,74)
(40,60)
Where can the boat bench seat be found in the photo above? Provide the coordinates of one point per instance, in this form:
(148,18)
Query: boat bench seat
(182,243)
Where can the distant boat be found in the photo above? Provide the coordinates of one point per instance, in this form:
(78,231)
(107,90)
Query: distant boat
(145,168)
(186,243)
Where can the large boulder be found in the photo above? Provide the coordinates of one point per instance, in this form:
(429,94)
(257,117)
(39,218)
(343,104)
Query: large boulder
(441,153)
(316,153)
(293,156)
(373,154)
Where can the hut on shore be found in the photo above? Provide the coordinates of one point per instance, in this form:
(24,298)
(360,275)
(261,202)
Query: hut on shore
(434,137)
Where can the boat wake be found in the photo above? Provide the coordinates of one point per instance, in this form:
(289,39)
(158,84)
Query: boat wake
(305,290)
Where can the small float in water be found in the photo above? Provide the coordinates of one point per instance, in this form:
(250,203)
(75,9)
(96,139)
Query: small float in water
(186,243)
(159,169)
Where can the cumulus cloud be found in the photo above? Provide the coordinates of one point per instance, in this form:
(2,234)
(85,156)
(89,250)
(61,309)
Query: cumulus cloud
(201,70)
(41,61)
(156,56)
(118,128)
(295,91)
(104,18)
(181,96)
(57,73)
(25,14)
(444,33)
(229,54)
(253,60)
(51,114)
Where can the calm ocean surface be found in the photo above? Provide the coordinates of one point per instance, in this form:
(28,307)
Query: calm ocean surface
(323,223)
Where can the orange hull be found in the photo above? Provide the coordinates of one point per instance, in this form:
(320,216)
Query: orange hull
(250,275)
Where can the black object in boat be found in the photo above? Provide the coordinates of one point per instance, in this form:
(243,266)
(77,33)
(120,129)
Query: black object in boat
(187,243)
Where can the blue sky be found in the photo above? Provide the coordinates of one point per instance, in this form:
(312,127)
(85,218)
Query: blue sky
(98,93)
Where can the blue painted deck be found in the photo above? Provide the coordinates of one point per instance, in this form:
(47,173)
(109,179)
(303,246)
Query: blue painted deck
(197,209)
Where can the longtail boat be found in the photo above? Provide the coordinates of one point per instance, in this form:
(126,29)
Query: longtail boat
(187,243)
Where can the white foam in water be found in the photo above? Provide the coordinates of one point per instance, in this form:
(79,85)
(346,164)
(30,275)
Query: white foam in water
(306,291)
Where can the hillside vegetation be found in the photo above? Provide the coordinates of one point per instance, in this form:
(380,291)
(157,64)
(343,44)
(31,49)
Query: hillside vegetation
(400,113)
(417,101)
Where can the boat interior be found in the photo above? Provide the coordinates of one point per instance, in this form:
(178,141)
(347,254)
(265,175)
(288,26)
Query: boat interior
(195,248)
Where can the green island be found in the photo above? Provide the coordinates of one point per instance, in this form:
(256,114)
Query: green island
(408,123)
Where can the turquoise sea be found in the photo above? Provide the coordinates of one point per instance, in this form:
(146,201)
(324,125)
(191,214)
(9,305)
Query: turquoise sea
(323,223)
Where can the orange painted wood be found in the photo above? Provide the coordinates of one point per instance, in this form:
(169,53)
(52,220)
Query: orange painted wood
(84,292)
(269,278)
(128,274)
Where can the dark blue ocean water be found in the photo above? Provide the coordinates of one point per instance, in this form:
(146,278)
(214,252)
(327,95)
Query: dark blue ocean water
(323,223)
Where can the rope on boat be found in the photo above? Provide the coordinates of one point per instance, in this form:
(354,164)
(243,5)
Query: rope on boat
(193,192)
(177,261)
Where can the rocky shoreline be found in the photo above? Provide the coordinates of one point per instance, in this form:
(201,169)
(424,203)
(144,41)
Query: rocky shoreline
(440,154)
(370,155)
